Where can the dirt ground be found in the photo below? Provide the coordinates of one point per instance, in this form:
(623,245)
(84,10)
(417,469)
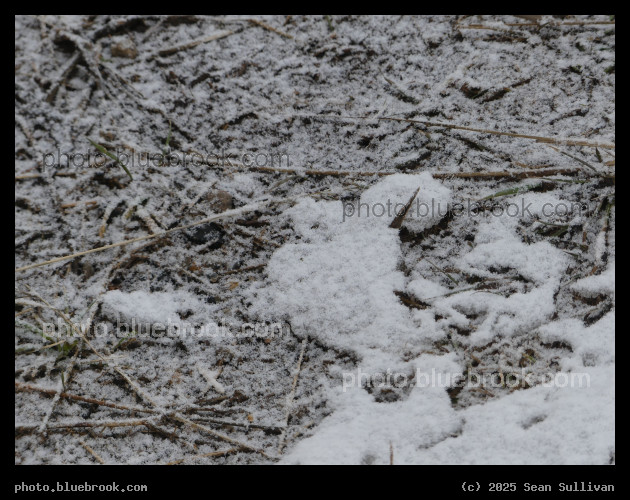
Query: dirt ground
(255,114)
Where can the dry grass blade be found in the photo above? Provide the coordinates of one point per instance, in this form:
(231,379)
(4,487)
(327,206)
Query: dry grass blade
(534,25)
(190,45)
(27,176)
(511,175)
(21,387)
(575,158)
(537,138)
(270,28)
(436,175)
(100,423)
(227,423)
(400,217)
(91,203)
(69,68)
(89,449)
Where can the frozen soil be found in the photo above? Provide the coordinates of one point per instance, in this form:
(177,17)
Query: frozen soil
(341,110)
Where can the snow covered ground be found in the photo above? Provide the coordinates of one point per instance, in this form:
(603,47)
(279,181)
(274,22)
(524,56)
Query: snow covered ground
(409,257)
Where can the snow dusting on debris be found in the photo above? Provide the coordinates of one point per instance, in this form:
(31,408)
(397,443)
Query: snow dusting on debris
(314,240)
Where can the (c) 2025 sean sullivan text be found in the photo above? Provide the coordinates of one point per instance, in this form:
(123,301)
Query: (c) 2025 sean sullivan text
(577,486)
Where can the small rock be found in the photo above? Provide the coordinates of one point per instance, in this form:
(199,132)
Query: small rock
(206,233)
(220,201)
(124,48)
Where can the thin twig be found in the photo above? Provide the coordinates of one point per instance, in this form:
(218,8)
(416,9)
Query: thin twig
(228,213)
(220,453)
(62,77)
(435,175)
(21,387)
(100,423)
(92,452)
(84,425)
(227,423)
(190,45)
(270,28)
(65,379)
(217,435)
(538,138)
(291,396)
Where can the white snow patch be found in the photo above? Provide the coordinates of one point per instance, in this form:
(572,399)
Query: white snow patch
(544,425)
(591,345)
(337,282)
(598,284)
(361,430)
(156,307)
(497,245)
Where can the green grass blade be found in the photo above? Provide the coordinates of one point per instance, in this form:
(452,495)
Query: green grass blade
(110,155)
(509,192)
